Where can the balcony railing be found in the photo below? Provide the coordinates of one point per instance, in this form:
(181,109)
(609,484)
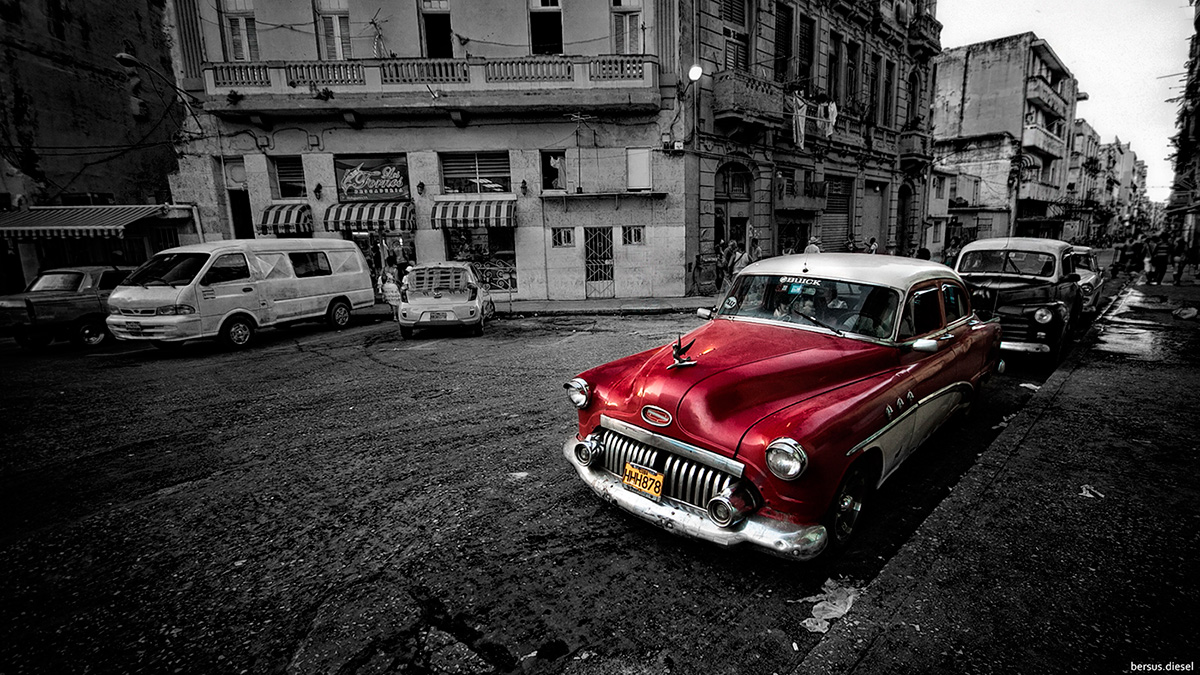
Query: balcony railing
(915,145)
(435,77)
(1039,138)
(805,196)
(741,96)
(1039,91)
(925,35)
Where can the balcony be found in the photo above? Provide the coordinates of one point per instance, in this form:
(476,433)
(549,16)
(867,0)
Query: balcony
(1037,191)
(806,196)
(1041,94)
(1041,140)
(915,146)
(925,36)
(740,97)
(489,85)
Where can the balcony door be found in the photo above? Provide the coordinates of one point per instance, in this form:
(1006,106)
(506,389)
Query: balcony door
(438,35)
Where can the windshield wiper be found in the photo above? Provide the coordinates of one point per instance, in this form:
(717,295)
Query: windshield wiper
(1008,261)
(820,323)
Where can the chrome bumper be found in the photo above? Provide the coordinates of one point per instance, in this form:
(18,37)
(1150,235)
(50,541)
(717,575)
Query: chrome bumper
(798,542)
(1031,347)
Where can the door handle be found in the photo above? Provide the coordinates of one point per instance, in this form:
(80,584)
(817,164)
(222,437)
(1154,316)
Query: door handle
(947,336)
(248,289)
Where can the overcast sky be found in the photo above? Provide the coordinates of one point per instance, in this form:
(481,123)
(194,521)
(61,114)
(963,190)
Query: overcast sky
(1119,50)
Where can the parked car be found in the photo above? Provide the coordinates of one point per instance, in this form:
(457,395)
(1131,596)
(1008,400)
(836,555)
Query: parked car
(447,293)
(229,289)
(1030,284)
(1091,278)
(773,423)
(65,303)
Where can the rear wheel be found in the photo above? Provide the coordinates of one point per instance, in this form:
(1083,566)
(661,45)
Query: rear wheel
(338,315)
(406,332)
(237,332)
(477,329)
(90,333)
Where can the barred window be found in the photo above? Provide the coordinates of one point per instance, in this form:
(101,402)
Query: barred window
(562,237)
(633,235)
(475,172)
(287,177)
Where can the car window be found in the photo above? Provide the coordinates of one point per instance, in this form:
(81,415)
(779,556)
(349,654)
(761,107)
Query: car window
(1068,264)
(310,264)
(175,269)
(1085,261)
(57,281)
(862,309)
(438,278)
(111,278)
(954,298)
(922,314)
(1024,263)
(229,267)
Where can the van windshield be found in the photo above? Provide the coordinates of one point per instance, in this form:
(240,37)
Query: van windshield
(167,269)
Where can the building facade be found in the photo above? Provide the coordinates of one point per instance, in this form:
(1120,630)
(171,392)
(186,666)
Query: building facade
(81,129)
(561,146)
(1183,207)
(1004,111)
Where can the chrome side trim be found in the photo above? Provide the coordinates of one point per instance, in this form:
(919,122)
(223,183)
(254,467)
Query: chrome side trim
(908,411)
(1032,347)
(696,454)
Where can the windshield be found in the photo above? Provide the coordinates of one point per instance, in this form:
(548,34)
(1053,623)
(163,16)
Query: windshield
(57,281)
(859,309)
(167,269)
(1023,263)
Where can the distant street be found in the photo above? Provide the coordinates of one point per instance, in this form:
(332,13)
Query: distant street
(350,502)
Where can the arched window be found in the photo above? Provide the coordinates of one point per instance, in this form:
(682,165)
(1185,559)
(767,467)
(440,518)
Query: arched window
(914,99)
(734,182)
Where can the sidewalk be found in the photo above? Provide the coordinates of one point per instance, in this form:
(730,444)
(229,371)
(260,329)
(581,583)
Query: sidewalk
(1072,545)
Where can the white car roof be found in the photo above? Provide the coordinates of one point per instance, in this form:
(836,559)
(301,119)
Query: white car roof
(882,270)
(1033,244)
(315,244)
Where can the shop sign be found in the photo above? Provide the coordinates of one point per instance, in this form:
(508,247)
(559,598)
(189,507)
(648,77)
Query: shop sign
(372,178)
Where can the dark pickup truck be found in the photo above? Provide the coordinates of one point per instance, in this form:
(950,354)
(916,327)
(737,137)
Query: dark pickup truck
(66,303)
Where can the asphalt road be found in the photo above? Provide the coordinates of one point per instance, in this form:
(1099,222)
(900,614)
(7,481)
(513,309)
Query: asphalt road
(349,502)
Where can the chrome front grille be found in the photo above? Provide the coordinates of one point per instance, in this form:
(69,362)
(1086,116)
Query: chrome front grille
(1015,329)
(684,479)
(125,311)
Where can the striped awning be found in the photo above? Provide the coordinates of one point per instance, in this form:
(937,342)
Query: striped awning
(280,219)
(370,217)
(74,221)
(475,213)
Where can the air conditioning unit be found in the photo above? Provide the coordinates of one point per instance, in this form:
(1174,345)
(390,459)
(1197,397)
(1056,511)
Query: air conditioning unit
(677,145)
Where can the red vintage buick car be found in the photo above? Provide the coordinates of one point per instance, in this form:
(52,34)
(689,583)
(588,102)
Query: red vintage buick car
(773,423)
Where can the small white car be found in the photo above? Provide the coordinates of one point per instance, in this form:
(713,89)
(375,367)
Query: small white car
(1091,278)
(449,293)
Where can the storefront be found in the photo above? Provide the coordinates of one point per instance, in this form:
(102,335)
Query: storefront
(287,221)
(383,230)
(481,231)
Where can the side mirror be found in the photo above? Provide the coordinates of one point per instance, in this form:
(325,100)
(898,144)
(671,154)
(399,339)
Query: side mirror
(924,345)
(1072,277)
(704,313)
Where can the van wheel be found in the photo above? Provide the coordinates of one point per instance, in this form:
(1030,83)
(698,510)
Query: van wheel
(237,332)
(338,315)
(90,333)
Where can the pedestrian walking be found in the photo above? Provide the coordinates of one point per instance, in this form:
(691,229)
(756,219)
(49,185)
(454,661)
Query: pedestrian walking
(1160,256)
(391,294)
(872,246)
(1179,258)
(814,246)
(952,252)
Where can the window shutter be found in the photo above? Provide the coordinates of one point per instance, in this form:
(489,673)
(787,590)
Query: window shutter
(619,32)
(252,39)
(734,11)
(237,51)
(637,162)
(330,37)
(344,24)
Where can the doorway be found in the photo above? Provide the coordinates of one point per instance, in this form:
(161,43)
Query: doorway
(598,262)
(240,213)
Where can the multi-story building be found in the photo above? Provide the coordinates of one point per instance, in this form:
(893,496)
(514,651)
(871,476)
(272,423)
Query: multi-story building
(574,150)
(1183,208)
(955,210)
(1084,185)
(84,135)
(1004,111)
(1125,183)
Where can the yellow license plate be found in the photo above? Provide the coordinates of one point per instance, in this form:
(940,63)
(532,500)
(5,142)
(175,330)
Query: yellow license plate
(641,479)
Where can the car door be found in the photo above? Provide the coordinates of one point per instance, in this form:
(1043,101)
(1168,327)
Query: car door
(935,374)
(227,286)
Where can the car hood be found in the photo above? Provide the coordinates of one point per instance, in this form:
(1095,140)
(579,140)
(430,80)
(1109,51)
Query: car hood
(139,297)
(1011,289)
(743,372)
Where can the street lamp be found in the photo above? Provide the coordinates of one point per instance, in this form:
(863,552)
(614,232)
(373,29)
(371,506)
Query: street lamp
(131,61)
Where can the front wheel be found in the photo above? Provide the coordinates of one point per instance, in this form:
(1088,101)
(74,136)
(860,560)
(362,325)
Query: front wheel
(338,315)
(846,508)
(90,333)
(237,332)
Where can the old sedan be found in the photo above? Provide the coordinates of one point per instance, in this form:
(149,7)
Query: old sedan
(1091,278)
(773,423)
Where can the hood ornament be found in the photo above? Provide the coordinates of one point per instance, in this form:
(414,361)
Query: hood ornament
(678,351)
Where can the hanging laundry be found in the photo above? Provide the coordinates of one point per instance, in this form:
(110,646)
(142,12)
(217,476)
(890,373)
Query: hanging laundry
(799,113)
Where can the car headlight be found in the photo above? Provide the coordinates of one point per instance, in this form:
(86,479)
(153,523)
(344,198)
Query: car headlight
(786,459)
(1087,289)
(579,392)
(1043,315)
(175,310)
(113,310)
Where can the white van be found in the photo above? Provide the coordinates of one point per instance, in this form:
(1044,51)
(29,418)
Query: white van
(228,289)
